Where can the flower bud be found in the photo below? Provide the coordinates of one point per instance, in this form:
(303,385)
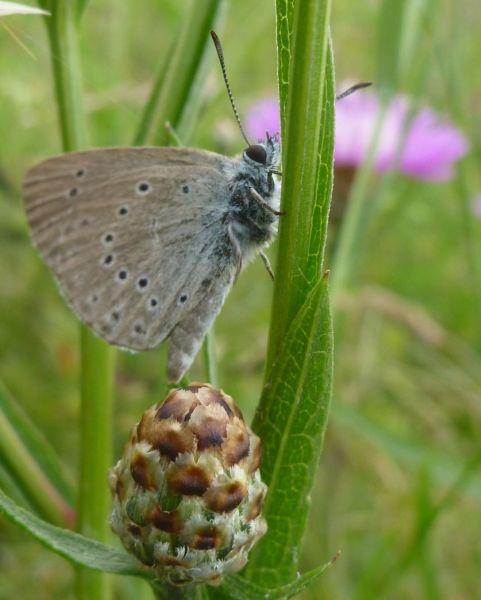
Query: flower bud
(187,491)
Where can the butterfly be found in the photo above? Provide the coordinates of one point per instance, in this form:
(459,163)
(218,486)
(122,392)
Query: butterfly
(145,243)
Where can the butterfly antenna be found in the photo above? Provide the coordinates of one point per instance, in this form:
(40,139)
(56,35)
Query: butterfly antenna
(354,88)
(220,54)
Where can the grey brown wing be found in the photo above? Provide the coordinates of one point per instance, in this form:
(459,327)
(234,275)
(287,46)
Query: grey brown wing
(186,337)
(137,239)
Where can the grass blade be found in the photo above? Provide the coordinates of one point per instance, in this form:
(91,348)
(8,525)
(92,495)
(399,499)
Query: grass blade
(33,464)
(412,454)
(390,35)
(176,89)
(81,6)
(427,521)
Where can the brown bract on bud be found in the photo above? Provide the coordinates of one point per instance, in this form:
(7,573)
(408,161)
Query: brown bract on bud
(187,491)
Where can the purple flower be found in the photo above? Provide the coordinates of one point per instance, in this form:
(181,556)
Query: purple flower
(263,116)
(431,145)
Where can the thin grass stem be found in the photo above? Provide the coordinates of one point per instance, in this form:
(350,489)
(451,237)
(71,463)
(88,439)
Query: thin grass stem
(96,356)
(175,94)
(30,478)
(208,353)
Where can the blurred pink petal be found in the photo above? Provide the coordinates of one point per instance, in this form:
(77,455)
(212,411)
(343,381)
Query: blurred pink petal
(263,116)
(432,145)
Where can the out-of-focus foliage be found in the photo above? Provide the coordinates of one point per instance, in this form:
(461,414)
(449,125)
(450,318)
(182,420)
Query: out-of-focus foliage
(406,416)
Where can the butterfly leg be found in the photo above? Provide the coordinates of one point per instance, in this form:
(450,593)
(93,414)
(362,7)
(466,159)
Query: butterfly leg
(260,200)
(237,250)
(267,264)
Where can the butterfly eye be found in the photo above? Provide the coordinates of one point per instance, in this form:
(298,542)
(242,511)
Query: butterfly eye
(257,153)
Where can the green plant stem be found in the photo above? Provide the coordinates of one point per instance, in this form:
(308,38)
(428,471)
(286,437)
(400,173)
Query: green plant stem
(460,104)
(470,236)
(302,231)
(210,365)
(175,95)
(169,592)
(145,126)
(63,38)
(96,356)
(80,8)
(292,414)
(97,361)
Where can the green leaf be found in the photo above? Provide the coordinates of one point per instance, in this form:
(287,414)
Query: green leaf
(72,546)
(176,91)
(240,589)
(32,463)
(291,421)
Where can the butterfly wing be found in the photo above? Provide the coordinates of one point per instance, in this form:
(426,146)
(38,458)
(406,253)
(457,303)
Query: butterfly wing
(137,239)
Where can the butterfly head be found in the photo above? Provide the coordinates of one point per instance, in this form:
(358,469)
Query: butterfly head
(265,154)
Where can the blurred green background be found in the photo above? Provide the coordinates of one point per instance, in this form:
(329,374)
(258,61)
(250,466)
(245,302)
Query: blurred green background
(398,490)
